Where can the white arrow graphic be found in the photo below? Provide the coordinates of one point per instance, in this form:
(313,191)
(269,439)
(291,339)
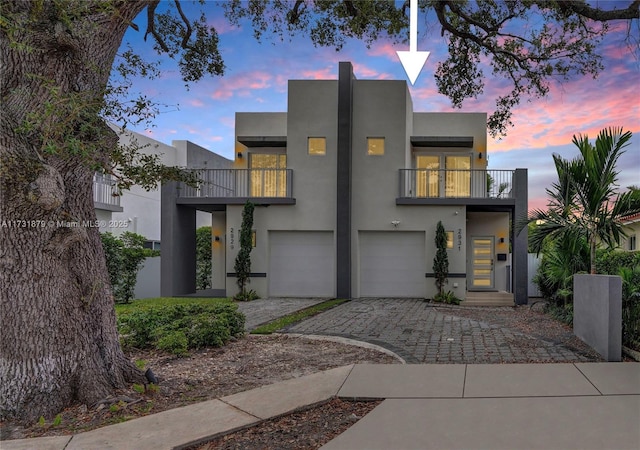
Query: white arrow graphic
(413,60)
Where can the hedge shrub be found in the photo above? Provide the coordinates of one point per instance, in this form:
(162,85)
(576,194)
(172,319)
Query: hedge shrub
(179,328)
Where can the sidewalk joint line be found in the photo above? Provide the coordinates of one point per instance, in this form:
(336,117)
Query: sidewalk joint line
(464,380)
(587,378)
(241,410)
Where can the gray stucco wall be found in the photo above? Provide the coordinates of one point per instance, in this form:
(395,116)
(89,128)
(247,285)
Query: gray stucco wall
(597,313)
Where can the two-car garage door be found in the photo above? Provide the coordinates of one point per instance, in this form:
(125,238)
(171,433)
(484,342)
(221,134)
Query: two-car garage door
(301,264)
(392,264)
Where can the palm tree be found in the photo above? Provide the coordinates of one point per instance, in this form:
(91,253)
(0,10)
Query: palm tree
(585,201)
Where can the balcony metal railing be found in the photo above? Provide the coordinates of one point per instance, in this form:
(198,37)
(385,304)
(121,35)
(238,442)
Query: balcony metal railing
(104,191)
(443,183)
(245,183)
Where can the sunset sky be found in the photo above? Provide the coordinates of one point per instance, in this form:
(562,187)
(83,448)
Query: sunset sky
(256,80)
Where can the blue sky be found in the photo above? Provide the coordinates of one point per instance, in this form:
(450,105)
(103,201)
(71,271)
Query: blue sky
(256,80)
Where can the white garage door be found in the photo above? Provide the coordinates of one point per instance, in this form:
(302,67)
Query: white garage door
(301,264)
(392,264)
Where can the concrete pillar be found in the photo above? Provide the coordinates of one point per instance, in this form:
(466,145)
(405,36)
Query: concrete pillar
(343,200)
(597,313)
(178,251)
(520,240)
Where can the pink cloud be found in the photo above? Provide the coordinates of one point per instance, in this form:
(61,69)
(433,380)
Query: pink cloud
(365,72)
(241,84)
(385,49)
(196,103)
(326,73)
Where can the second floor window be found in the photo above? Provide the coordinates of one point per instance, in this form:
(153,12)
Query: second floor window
(317,146)
(443,174)
(268,175)
(375,146)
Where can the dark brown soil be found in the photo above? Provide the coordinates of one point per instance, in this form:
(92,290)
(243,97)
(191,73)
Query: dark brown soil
(247,363)
(302,430)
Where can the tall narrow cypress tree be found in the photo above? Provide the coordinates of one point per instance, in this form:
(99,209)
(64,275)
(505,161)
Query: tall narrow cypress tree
(441,260)
(243,260)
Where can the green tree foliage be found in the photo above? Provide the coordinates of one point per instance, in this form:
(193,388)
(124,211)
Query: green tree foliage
(585,202)
(441,260)
(243,260)
(125,255)
(203,258)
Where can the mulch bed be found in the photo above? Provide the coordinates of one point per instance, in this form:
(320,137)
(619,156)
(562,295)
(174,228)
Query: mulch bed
(301,430)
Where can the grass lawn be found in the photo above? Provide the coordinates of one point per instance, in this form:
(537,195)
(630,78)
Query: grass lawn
(167,301)
(297,316)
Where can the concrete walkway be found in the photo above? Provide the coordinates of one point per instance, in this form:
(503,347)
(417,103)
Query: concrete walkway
(420,333)
(512,406)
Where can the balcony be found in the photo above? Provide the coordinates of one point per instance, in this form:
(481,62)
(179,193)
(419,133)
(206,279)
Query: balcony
(441,186)
(105,194)
(232,186)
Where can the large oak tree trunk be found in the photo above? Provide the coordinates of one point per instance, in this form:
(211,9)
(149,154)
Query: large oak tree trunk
(59,342)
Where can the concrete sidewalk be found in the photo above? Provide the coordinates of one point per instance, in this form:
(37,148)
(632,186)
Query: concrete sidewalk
(470,406)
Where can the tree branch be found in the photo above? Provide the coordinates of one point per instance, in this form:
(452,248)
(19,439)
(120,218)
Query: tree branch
(187,23)
(151,13)
(585,10)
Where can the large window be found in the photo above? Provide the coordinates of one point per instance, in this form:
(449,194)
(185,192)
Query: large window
(632,242)
(317,146)
(375,146)
(433,181)
(268,177)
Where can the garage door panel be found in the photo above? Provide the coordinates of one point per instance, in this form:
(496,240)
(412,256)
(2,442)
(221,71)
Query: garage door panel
(301,264)
(392,264)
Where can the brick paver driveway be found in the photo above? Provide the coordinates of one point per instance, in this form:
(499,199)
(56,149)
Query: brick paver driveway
(419,333)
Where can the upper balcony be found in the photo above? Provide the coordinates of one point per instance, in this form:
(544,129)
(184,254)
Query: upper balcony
(236,186)
(105,194)
(456,187)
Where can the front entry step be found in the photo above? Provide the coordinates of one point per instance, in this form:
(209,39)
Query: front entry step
(488,299)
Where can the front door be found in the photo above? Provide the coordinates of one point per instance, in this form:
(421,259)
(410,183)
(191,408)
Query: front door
(482,253)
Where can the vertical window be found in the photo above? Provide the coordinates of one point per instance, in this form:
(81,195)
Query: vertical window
(427,176)
(317,146)
(632,242)
(449,239)
(268,175)
(458,176)
(375,146)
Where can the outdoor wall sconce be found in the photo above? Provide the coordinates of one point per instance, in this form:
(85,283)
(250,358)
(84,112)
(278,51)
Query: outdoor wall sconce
(240,155)
(480,155)
(502,240)
(216,238)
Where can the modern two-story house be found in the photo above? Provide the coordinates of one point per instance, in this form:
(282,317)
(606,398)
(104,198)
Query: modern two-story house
(349,185)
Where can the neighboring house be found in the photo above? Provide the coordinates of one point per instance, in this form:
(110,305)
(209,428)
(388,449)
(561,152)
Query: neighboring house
(632,229)
(349,185)
(138,210)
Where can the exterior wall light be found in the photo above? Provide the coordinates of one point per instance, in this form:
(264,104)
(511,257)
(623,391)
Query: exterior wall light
(502,240)
(480,155)
(240,155)
(216,238)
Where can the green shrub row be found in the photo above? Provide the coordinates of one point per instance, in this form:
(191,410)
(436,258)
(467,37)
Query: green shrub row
(179,328)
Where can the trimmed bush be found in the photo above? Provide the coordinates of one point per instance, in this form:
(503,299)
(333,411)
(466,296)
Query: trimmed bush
(179,328)
(203,258)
